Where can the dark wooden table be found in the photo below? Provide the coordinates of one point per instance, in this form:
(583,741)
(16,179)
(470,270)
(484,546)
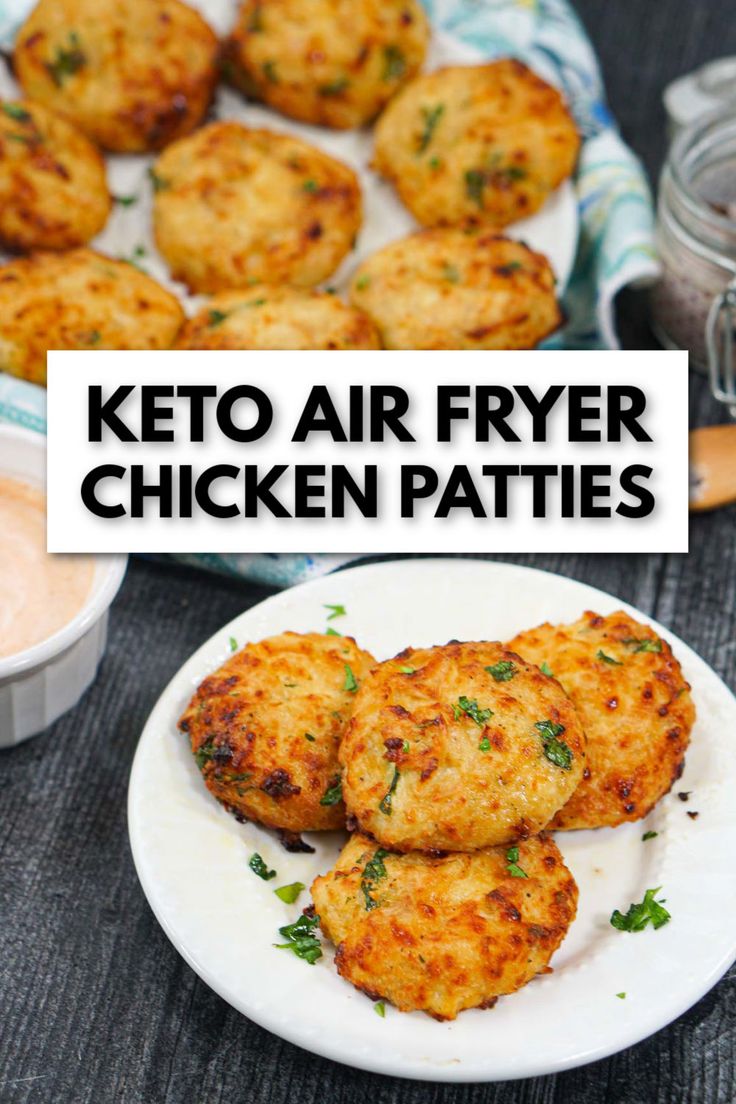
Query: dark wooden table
(95,1005)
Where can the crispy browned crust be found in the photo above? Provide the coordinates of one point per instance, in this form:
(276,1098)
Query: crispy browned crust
(445,933)
(79,300)
(249,725)
(53,191)
(339,67)
(476,144)
(448,289)
(138,73)
(270,317)
(461,785)
(236,206)
(637,715)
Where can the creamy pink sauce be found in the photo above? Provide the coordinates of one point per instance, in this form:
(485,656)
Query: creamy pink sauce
(39,593)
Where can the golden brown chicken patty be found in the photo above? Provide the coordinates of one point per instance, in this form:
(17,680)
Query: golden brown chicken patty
(476,144)
(441,934)
(332,62)
(265,728)
(459,747)
(53,191)
(79,300)
(235,206)
(634,705)
(270,317)
(446,289)
(132,74)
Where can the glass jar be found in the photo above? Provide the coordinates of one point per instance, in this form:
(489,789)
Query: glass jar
(694,301)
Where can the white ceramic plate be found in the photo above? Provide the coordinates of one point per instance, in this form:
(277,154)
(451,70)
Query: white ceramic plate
(192,857)
(552,231)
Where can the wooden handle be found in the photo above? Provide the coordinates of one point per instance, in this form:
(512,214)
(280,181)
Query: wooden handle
(712,467)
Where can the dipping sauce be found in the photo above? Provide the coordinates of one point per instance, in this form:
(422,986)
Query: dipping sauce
(39,593)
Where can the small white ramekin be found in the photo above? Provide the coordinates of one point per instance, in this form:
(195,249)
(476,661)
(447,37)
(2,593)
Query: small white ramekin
(40,683)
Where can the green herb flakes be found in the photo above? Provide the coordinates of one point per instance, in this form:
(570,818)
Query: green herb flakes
(332,632)
(407,670)
(333,793)
(126,200)
(555,750)
(310,737)
(362,283)
(301,939)
(160,184)
(351,683)
(386,801)
(451,274)
(475,182)
(639,916)
(502,671)
(648,836)
(608,659)
(546,669)
(512,864)
(336,611)
(643,644)
(334,88)
(67,61)
(269,72)
(431,117)
(380,1009)
(373,871)
(310,186)
(289,893)
(621,996)
(16,112)
(233,644)
(216,318)
(472,709)
(485,744)
(258,866)
(394,63)
(204,753)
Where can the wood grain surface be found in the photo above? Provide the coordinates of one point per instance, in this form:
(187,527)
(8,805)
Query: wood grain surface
(95,1005)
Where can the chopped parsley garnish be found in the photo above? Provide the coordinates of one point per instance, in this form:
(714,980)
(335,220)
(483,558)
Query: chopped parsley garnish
(333,793)
(93,336)
(334,88)
(477,179)
(301,939)
(512,860)
(204,753)
(385,805)
(310,186)
(648,836)
(216,317)
(373,872)
(258,866)
(407,670)
(351,683)
(160,184)
(289,893)
(643,644)
(67,61)
(608,659)
(126,200)
(507,269)
(485,744)
(380,1009)
(15,111)
(332,632)
(362,283)
(546,669)
(135,259)
(394,63)
(502,671)
(472,710)
(621,996)
(310,737)
(451,274)
(233,644)
(646,912)
(431,116)
(337,611)
(269,72)
(555,750)
(435,163)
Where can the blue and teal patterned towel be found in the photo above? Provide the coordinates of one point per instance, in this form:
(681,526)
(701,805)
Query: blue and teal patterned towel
(616,244)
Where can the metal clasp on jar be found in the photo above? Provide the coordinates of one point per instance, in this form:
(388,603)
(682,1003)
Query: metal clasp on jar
(720,337)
